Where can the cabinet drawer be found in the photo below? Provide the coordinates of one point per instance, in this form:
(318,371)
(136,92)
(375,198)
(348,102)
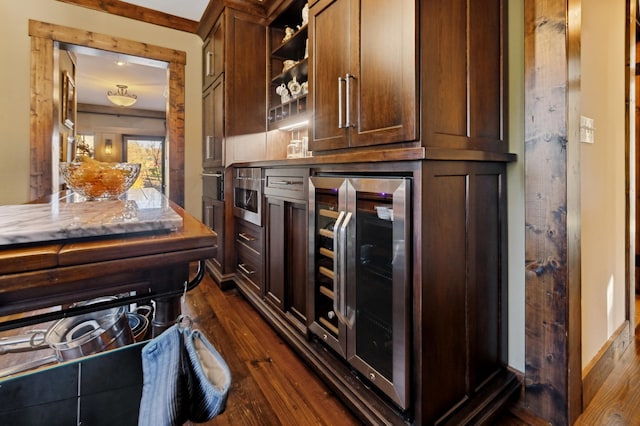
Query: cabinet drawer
(286,183)
(249,267)
(249,236)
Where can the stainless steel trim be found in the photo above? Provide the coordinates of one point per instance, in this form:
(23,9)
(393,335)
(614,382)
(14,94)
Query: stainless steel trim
(209,56)
(348,96)
(344,316)
(218,175)
(337,250)
(207,145)
(244,237)
(340,80)
(245,270)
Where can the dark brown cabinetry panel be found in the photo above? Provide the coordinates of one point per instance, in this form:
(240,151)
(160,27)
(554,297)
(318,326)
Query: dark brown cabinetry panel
(463,82)
(213,125)
(363,73)
(287,242)
(464,282)
(213,54)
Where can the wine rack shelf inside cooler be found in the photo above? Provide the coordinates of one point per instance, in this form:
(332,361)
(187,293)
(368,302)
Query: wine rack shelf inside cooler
(324,270)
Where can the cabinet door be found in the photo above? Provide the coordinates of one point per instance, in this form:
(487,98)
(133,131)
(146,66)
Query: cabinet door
(364,73)
(213,125)
(287,248)
(329,58)
(213,217)
(297,255)
(276,267)
(213,54)
(382,92)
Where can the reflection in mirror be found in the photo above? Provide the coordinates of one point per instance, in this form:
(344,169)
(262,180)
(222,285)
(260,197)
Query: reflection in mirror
(45,100)
(96,72)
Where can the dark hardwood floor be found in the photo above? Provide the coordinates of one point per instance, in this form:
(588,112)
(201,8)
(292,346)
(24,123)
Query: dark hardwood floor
(271,385)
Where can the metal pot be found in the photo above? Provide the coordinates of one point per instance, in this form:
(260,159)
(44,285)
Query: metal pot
(88,334)
(81,335)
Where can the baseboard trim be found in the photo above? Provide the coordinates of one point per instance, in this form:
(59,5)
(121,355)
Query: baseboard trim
(594,375)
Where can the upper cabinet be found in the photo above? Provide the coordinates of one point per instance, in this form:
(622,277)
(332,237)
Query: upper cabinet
(363,73)
(234,83)
(213,54)
(463,76)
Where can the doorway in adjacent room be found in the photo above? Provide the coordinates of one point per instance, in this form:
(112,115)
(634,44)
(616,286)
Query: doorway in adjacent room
(148,151)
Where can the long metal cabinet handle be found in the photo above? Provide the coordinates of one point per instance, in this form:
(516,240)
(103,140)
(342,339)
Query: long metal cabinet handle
(340,80)
(336,265)
(208,147)
(209,56)
(219,175)
(344,315)
(348,96)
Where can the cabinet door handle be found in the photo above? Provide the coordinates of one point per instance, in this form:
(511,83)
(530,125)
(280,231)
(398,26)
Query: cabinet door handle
(218,175)
(245,237)
(207,145)
(348,77)
(244,269)
(340,80)
(209,56)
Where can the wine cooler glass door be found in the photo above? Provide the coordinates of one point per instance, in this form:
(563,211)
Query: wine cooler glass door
(378,283)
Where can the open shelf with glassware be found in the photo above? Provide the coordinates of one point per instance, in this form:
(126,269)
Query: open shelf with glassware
(289,67)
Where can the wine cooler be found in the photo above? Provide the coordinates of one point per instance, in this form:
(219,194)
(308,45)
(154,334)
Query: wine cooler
(360,277)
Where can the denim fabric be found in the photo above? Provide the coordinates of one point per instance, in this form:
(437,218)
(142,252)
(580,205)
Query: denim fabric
(165,380)
(210,378)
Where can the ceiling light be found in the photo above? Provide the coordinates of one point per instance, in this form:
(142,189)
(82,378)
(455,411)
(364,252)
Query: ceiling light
(121,97)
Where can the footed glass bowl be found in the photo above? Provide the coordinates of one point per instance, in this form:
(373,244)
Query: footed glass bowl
(96,180)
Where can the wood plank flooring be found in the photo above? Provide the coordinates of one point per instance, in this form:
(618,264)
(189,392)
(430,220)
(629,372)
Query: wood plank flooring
(617,402)
(271,385)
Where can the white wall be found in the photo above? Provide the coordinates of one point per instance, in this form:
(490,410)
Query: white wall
(15,86)
(603,174)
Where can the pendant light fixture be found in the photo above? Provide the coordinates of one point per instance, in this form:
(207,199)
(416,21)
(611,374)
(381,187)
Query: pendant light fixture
(121,97)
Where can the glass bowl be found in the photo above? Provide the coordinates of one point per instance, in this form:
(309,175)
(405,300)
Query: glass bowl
(96,180)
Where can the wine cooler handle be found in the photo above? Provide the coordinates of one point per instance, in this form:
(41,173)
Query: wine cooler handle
(342,273)
(336,269)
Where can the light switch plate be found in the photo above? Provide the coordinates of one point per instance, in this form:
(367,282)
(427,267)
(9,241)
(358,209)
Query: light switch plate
(587,130)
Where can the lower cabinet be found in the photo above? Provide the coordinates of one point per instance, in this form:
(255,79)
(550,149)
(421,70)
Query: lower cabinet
(435,352)
(287,243)
(287,250)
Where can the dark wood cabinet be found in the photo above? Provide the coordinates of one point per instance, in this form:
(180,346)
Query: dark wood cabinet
(463,84)
(213,126)
(213,215)
(233,104)
(363,73)
(287,242)
(213,54)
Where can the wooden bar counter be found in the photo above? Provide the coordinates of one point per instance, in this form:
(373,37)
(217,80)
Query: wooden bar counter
(152,264)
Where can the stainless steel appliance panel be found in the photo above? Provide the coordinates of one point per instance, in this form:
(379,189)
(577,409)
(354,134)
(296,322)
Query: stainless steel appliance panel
(360,275)
(247,194)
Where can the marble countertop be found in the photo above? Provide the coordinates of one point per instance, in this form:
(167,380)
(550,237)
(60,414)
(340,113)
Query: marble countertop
(70,216)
